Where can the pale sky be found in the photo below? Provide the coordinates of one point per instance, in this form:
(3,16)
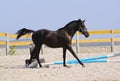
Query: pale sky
(54,14)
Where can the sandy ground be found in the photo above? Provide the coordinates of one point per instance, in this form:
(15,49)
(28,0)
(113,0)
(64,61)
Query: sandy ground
(12,68)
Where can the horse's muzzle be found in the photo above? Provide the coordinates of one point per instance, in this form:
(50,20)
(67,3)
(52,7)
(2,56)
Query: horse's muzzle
(86,34)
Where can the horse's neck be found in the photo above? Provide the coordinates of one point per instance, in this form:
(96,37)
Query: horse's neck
(71,32)
(70,28)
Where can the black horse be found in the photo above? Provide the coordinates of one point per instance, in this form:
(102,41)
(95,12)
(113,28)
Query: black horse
(55,39)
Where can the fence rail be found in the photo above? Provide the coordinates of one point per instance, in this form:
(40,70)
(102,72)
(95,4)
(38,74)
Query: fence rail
(7,38)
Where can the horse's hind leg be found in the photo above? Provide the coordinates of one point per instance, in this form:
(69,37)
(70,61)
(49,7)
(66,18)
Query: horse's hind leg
(35,54)
(37,49)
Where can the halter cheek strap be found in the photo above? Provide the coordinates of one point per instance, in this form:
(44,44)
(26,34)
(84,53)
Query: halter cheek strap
(82,30)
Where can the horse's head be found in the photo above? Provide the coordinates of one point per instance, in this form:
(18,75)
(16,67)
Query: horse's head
(82,28)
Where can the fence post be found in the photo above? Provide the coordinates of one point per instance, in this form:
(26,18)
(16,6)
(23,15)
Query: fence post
(7,48)
(112,41)
(77,43)
(42,49)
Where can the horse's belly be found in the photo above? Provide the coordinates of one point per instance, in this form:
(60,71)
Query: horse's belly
(53,40)
(53,45)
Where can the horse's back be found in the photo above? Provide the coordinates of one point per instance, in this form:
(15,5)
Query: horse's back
(43,34)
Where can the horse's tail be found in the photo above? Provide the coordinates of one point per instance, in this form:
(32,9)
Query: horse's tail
(23,31)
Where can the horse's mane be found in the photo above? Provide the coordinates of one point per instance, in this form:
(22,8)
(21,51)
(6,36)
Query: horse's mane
(67,25)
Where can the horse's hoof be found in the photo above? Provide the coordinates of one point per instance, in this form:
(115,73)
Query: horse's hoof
(83,66)
(40,66)
(66,66)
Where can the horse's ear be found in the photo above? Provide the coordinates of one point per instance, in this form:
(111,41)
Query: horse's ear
(83,20)
(79,20)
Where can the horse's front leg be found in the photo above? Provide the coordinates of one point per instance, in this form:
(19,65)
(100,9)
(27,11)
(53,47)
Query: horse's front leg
(73,53)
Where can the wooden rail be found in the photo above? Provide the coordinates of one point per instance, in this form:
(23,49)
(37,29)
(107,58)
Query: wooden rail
(100,32)
(14,43)
(7,38)
(95,32)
